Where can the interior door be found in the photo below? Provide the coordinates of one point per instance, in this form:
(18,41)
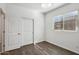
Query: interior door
(2,31)
(20,32)
(27,31)
(14,35)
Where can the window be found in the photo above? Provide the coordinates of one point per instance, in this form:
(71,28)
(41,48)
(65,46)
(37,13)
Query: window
(66,22)
(58,23)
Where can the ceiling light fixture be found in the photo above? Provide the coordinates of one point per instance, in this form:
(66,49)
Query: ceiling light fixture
(46,5)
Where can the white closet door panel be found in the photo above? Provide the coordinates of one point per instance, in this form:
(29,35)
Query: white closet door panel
(27,32)
(20,32)
(13,41)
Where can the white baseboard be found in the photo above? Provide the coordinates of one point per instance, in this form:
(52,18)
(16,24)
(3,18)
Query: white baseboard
(64,47)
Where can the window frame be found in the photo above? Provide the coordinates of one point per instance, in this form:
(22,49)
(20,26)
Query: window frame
(63,16)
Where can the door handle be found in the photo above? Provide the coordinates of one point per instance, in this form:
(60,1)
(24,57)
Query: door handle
(19,33)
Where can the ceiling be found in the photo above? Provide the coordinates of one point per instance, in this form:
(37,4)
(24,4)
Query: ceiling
(37,6)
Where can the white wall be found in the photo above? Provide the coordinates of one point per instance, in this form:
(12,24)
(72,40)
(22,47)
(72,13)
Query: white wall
(19,12)
(68,40)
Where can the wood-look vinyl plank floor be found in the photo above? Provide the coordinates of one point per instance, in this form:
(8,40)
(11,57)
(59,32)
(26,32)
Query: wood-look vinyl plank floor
(42,48)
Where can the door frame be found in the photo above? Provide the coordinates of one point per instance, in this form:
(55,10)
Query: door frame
(26,18)
(3,30)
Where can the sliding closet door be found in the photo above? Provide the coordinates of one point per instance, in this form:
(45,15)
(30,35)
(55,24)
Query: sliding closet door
(20,32)
(27,32)
(14,33)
